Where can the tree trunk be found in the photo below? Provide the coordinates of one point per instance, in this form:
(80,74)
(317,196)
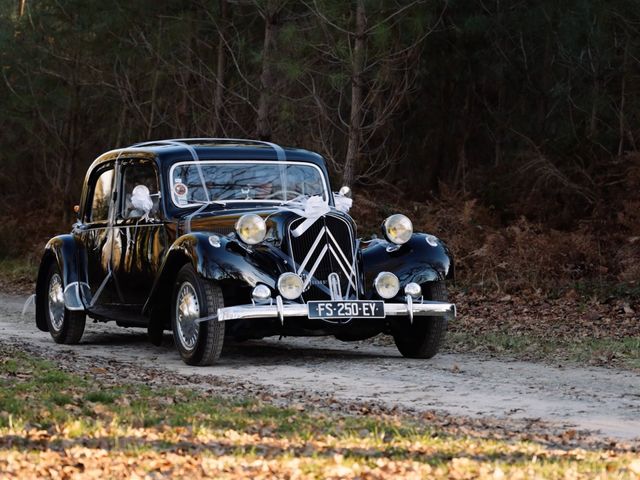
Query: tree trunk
(623,91)
(267,78)
(355,119)
(220,66)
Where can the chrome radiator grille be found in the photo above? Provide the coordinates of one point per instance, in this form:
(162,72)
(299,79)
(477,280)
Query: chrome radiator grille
(324,248)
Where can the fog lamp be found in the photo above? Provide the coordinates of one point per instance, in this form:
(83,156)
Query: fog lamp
(413,290)
(387,285)
(290,285)
(261,293)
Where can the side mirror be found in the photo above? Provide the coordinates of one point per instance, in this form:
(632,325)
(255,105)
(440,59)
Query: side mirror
(345,192)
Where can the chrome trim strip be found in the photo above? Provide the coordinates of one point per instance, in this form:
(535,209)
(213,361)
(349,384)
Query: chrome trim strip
(344,258)
(425,309)
(315,267)
(354,252)
(311,250)
(349,276)
(335,242)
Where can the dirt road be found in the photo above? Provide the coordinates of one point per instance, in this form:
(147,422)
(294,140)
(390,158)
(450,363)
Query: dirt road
(603,401)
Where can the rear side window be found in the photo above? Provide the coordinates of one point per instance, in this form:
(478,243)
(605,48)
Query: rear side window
(101,196)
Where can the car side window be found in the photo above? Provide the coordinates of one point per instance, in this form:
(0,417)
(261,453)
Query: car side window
(101,196)
(139,180)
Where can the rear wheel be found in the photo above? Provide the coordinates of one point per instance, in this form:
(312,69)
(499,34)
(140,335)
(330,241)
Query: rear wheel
(65,326)
(423,338)
(195,298)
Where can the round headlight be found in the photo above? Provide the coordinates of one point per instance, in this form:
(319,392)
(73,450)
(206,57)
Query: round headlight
(398,229)
(387,285)
(290,285)
(251,228)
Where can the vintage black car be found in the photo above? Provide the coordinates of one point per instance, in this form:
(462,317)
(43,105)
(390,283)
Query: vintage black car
(219,239)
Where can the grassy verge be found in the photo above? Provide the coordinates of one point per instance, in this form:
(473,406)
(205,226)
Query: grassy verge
(621,353)
(59,424)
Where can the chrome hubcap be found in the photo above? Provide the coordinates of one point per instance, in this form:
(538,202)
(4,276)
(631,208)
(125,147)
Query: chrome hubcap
(187,312)
(56,302)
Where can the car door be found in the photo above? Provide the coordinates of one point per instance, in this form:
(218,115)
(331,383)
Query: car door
(96,235)
(143,235)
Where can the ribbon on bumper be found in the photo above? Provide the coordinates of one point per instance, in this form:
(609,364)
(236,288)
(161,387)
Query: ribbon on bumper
(312,209)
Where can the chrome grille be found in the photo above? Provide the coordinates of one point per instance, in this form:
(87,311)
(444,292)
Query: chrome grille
(324,248)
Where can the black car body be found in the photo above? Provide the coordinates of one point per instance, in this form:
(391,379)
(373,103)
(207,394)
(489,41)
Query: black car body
(213,239)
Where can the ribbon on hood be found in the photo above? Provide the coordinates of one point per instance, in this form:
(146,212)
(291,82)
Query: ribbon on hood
(312,209)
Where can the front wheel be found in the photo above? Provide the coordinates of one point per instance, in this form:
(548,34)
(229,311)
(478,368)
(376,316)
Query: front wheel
(65,326)
(195,298)
(423,338)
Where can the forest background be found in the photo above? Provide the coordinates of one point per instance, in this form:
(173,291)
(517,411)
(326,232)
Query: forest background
(510,129)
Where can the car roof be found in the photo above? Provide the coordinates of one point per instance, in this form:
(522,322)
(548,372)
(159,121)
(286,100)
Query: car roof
(171,151)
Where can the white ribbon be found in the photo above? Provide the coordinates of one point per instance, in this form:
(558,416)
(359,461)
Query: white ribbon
(141,200)
(342,203)
(312,209)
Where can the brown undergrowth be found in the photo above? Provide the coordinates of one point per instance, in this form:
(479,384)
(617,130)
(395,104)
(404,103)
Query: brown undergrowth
(598,253)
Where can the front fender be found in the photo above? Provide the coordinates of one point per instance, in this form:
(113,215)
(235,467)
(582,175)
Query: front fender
(218,258)
(64,251)
(415,261)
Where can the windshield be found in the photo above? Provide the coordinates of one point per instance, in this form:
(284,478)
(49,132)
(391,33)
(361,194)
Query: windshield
(244,181)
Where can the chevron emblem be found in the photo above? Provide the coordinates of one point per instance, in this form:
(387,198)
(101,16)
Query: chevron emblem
(331,247)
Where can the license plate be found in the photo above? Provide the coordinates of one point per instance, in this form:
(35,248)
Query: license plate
(347,309)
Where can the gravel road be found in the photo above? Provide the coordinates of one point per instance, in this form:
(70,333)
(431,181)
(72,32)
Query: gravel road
(603,401)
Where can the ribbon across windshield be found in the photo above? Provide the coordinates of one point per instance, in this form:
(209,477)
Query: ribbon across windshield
(194,183)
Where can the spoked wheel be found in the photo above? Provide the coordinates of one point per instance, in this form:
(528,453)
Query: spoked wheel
(195,298)
(423,338)
(65,326)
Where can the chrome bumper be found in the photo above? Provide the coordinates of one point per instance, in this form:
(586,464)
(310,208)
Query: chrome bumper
(282,311)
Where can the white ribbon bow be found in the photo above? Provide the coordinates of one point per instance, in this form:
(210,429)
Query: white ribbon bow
(342,203)
(312,209)
(141,200)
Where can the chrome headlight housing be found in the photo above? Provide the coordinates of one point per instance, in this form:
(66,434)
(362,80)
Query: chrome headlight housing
(290,285)
(398,229)
(387,285)
(251,228)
